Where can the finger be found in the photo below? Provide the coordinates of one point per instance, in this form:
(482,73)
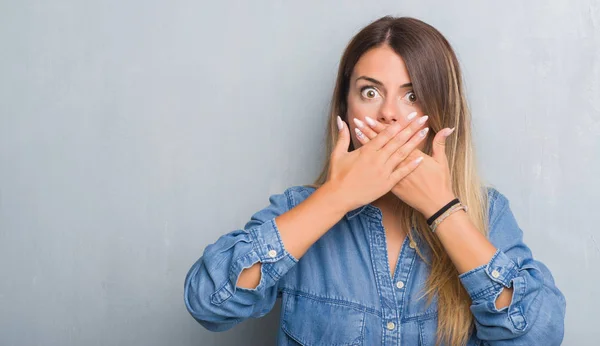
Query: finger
(392,146)
(366,130)
(374,124)
(343,140)
(384,136)
(405,169)
(439,145)
(409,147)
(362,138)
(378,127)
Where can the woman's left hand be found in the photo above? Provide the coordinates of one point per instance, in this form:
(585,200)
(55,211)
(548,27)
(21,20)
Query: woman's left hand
(428,188)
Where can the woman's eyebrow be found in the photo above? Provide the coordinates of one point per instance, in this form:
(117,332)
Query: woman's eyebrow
(376,82)
(372,80)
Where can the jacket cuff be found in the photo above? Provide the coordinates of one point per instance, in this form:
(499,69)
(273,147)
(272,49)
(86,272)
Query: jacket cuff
(270,251)
(267,248)
(486,282)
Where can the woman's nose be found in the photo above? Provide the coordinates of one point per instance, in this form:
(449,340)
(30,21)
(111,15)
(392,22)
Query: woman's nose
(389,112)
(387,118)
(388,115)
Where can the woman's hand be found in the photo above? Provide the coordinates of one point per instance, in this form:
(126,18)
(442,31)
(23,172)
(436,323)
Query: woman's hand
(429,187)
(369,172)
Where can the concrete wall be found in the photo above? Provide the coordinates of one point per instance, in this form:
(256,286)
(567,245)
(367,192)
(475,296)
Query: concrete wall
(134,133)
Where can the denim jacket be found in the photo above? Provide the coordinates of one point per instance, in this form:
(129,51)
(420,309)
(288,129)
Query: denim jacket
(341,291)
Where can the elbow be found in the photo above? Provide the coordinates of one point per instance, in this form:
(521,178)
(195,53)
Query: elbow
(535,321)
(542,310)
(196,302)
(203,314)
(206,315)
(197,299)
(546,325)
(549,324)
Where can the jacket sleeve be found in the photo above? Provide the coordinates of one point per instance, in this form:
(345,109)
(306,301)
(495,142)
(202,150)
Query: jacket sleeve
(535,315)
(210,292)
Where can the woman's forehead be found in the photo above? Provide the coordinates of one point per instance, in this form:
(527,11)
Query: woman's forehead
(384,64)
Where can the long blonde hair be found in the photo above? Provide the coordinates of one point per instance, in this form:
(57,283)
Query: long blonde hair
(437,82)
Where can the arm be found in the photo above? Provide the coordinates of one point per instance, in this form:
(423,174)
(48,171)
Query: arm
(514,298)
(255,258)
(466,246)
(301,227)
(237,277)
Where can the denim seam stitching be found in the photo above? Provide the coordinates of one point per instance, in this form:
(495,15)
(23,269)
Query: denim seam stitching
(333,301)
(428,315)
(486,292)
(214,294)
(499,212)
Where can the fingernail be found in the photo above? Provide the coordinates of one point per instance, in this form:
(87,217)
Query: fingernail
(359,123)
(370,121)
(359,133)
(423,132)
(449,132)
(422,120)
(411,116)
(419,159)
(340,123)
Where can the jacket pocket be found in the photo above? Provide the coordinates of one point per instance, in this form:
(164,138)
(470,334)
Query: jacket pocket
(319,321)
(427,331)
(419,312)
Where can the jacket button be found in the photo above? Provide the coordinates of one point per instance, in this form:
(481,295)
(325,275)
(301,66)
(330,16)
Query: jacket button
(391,325)
(272,253)
(400,284)
(495,274)
(412,245)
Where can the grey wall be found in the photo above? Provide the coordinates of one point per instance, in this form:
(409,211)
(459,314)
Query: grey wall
(134,133)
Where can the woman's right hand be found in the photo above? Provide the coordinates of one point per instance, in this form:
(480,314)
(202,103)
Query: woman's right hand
(367,173)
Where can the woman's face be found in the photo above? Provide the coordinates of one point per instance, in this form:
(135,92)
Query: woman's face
(381,89)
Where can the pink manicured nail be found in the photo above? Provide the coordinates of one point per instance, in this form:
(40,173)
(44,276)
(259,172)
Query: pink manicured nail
(359,133)
(419,159)
(411,116)
(340,123)
(423,132)
(449,132)
(370,121)
(422,120)
(359,123)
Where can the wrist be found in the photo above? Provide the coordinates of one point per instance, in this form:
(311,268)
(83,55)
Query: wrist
(437,204)
(338,197)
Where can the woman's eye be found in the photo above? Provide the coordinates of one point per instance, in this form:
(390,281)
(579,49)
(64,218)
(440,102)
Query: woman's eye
(369,93)
(410,97)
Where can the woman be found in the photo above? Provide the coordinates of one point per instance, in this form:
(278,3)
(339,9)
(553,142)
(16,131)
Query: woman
(397,242)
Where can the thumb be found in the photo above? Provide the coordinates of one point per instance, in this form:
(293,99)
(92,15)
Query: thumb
(439,145)
(343,140)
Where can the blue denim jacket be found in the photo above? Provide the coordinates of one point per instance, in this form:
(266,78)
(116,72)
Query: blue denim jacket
(341,291)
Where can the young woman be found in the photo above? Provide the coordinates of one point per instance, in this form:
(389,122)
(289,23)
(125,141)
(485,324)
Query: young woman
(397,242)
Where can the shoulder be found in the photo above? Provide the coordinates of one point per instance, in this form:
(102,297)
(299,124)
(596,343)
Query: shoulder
(497,202)
(503,227)
(280,203)
(298,193)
